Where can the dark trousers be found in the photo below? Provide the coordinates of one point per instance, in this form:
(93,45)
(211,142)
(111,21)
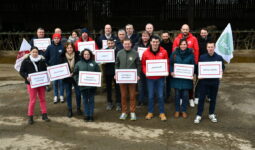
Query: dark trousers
(68,88)
(109,79)
(213,87)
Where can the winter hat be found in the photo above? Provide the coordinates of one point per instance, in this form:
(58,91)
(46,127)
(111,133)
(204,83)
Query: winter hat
(84,30)
(56,35)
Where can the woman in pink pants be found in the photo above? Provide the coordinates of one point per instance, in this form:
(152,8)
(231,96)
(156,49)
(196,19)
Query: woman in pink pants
(34,63)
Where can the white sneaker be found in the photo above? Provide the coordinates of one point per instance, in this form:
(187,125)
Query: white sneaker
(213,118)
(191,103)
(62,99)
(55,100)
(180,101)
(197,119)
(196,101)
(123,116)
(132,116)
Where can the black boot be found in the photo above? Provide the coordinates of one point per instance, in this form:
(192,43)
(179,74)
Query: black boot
(30,120)
(79,112)
(70,113)
(45,117)
(86,118)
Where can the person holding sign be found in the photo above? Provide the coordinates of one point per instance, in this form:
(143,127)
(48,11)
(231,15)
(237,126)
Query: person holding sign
(109,72)
(71,57)
(181,55)
(84,38)
(88,93)
(31,64)
(155,83)
(142,44)
(52,55)
(40,34)
(104,37)
(128,59)
(211,84)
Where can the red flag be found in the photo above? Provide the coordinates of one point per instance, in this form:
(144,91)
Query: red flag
(24,49)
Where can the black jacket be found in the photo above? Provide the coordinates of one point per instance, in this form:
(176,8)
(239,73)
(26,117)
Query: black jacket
(109,68)
(202,44)
(64,60)
(27,67)
(167,46)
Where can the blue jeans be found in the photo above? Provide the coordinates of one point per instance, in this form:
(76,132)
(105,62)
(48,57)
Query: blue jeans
(88,102)
(156,86)
(68,88)
(58,85)
(142,88)
(184,95)
(206,86)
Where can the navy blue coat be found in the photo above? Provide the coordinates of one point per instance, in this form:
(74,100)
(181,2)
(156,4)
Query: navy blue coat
(181,57)
(103,37)
(53,54)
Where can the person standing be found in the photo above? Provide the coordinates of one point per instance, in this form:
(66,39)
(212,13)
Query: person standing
(193,44)
(120,39)
(88,93)
(181,55)
(107,35)
(209,84)
(71,57)
(109,72)
(53,57)
(149,28)
(40,34)
(31,64)
(128,59)
(84,38)
(74,36)
(167,44)
(131,35)
(155,83)
(63,38)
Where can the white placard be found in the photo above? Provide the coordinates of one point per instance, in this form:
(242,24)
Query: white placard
(126,75)
(58,72)
(104,56)
(42,43)
(88,45)
(183,71)
(88,78)
(210,69)
(140,51)
(39,79)
(157,67)
(104,44)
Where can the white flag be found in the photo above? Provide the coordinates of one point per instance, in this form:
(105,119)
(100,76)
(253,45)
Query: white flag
(24,49)
(224,45)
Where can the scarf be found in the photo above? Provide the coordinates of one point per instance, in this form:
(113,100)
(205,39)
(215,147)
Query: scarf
(34,60)
(70,60)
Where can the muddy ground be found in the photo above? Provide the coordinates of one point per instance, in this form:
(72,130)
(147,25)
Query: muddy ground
(234,130)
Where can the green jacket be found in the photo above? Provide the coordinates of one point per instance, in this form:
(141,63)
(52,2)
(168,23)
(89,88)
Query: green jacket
(128,60)
(83,65)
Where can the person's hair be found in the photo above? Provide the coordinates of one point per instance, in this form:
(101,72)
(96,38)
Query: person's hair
(165,32)
(210,42)
(154,37)
(129,25)
(40,28)
(181,40)
(121,30)
(127,39)
(150,24)
(111,39)
(76,31)
(34,47)
(204,29)
(69,43)
(90,53)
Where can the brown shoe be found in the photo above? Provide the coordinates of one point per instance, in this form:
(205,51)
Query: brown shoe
(149,116)
(162,117)
(184,115)
(176,114)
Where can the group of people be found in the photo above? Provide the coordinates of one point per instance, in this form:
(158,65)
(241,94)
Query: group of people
(185,49)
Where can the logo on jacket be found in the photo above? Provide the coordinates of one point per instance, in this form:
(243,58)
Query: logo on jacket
(131,58)
(60,50)
(91,64)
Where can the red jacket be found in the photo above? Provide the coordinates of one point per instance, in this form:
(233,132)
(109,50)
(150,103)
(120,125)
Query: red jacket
(80,40)
(148,55)
(192,43)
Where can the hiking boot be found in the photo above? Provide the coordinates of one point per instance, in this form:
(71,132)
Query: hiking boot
(45,117)
(149,116)
(70,113)
(162,117)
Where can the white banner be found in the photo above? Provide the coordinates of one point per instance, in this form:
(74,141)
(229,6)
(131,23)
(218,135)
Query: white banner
(105,56)
(183,71)
(87,78)
(42,43)
(157,67)
(58,72)
(210,69)
(126,75)
(39,79)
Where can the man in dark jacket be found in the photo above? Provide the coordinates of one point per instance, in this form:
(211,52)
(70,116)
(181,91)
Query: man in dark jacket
(107,35)
(120,39)
(40,33)
(209,84)
(109,72)
(53,57)
(131,35)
